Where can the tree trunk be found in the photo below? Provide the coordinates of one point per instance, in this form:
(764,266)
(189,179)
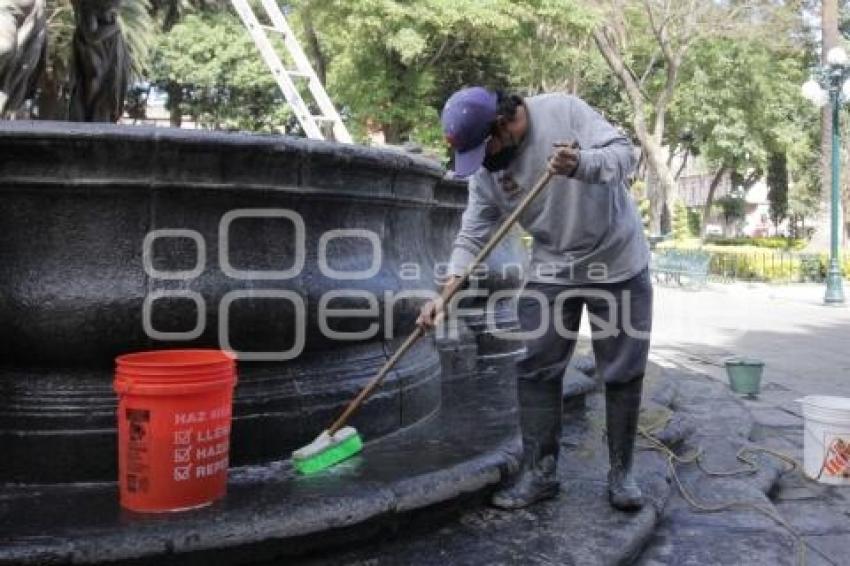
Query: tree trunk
(50,105)
(661,187)
(175,99)
(709,200)
(683,165)
(314,48)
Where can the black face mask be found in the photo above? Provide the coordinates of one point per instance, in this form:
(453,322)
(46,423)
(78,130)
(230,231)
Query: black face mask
(500,161)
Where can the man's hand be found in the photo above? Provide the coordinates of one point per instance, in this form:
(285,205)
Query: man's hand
(565,158)
(433,312)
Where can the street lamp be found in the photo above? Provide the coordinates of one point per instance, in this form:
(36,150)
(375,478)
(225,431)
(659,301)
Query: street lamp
(831,83)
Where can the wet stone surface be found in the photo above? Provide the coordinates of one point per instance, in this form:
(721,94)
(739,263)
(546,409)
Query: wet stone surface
(420,498)
(269,511)
(577,528)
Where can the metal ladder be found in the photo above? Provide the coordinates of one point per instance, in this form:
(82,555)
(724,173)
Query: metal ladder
(284,77)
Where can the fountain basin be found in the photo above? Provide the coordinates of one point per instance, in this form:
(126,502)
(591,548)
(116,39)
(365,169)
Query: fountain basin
(121,239)
(118,239)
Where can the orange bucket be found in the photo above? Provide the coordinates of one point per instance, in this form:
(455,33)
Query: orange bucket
(174,416)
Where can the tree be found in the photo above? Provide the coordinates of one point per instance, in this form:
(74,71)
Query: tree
(168,13)
(777,182)
(226,84)
(733,209)
(673,26)
(645,43)
(552,48)
(391,64)
(738,100)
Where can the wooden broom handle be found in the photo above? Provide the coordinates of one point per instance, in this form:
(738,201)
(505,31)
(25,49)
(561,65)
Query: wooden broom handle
(448,292)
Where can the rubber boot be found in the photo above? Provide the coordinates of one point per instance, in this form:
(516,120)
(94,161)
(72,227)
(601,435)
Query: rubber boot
(622,407)
(540,424)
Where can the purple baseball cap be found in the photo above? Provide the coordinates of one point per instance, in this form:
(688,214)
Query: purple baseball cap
(467,119)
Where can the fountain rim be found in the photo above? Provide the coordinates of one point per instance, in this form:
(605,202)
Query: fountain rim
(352,154)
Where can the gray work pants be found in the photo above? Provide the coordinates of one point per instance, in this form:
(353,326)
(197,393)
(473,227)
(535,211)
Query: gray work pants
(620,319)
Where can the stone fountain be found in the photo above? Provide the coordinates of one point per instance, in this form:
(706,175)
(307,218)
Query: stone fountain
(119,239)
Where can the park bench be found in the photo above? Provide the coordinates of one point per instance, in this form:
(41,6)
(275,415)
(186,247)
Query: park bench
(810,268)
(685,268)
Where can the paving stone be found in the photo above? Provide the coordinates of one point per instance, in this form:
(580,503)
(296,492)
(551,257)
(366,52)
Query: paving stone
(577,383)
(814,558)
(696,545)
(722,425)
(579,526)
(831,547)
(817,517)
(775,418)
(584,363)
(798,493)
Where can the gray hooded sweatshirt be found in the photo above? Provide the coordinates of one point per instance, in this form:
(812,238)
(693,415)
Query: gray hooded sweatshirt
(586,227)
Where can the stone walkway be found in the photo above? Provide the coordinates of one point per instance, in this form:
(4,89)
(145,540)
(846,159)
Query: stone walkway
(721,425)
(805,347)
(805,344)
(696,412)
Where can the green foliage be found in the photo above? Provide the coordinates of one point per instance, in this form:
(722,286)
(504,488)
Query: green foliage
(393,63)
(552,48)
(139,31)
(643,208)
(60,37)
(694,221)
(168,12)
(226,82)
(773,266)
(732,207)
(759,264)
(680,221)
(740,101)
(776,242)
(777,181)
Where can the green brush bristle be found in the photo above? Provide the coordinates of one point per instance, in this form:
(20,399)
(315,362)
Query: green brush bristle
(330,456)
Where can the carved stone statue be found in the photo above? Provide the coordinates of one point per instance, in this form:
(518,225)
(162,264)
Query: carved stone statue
(23,41)
(101,63)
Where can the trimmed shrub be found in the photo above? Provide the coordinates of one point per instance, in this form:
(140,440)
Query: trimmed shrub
(680,221)
(751,263)
(775,242)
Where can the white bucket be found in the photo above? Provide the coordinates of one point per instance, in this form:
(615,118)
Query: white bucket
(826,438)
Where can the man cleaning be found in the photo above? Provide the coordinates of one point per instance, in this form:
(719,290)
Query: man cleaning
(589,250)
